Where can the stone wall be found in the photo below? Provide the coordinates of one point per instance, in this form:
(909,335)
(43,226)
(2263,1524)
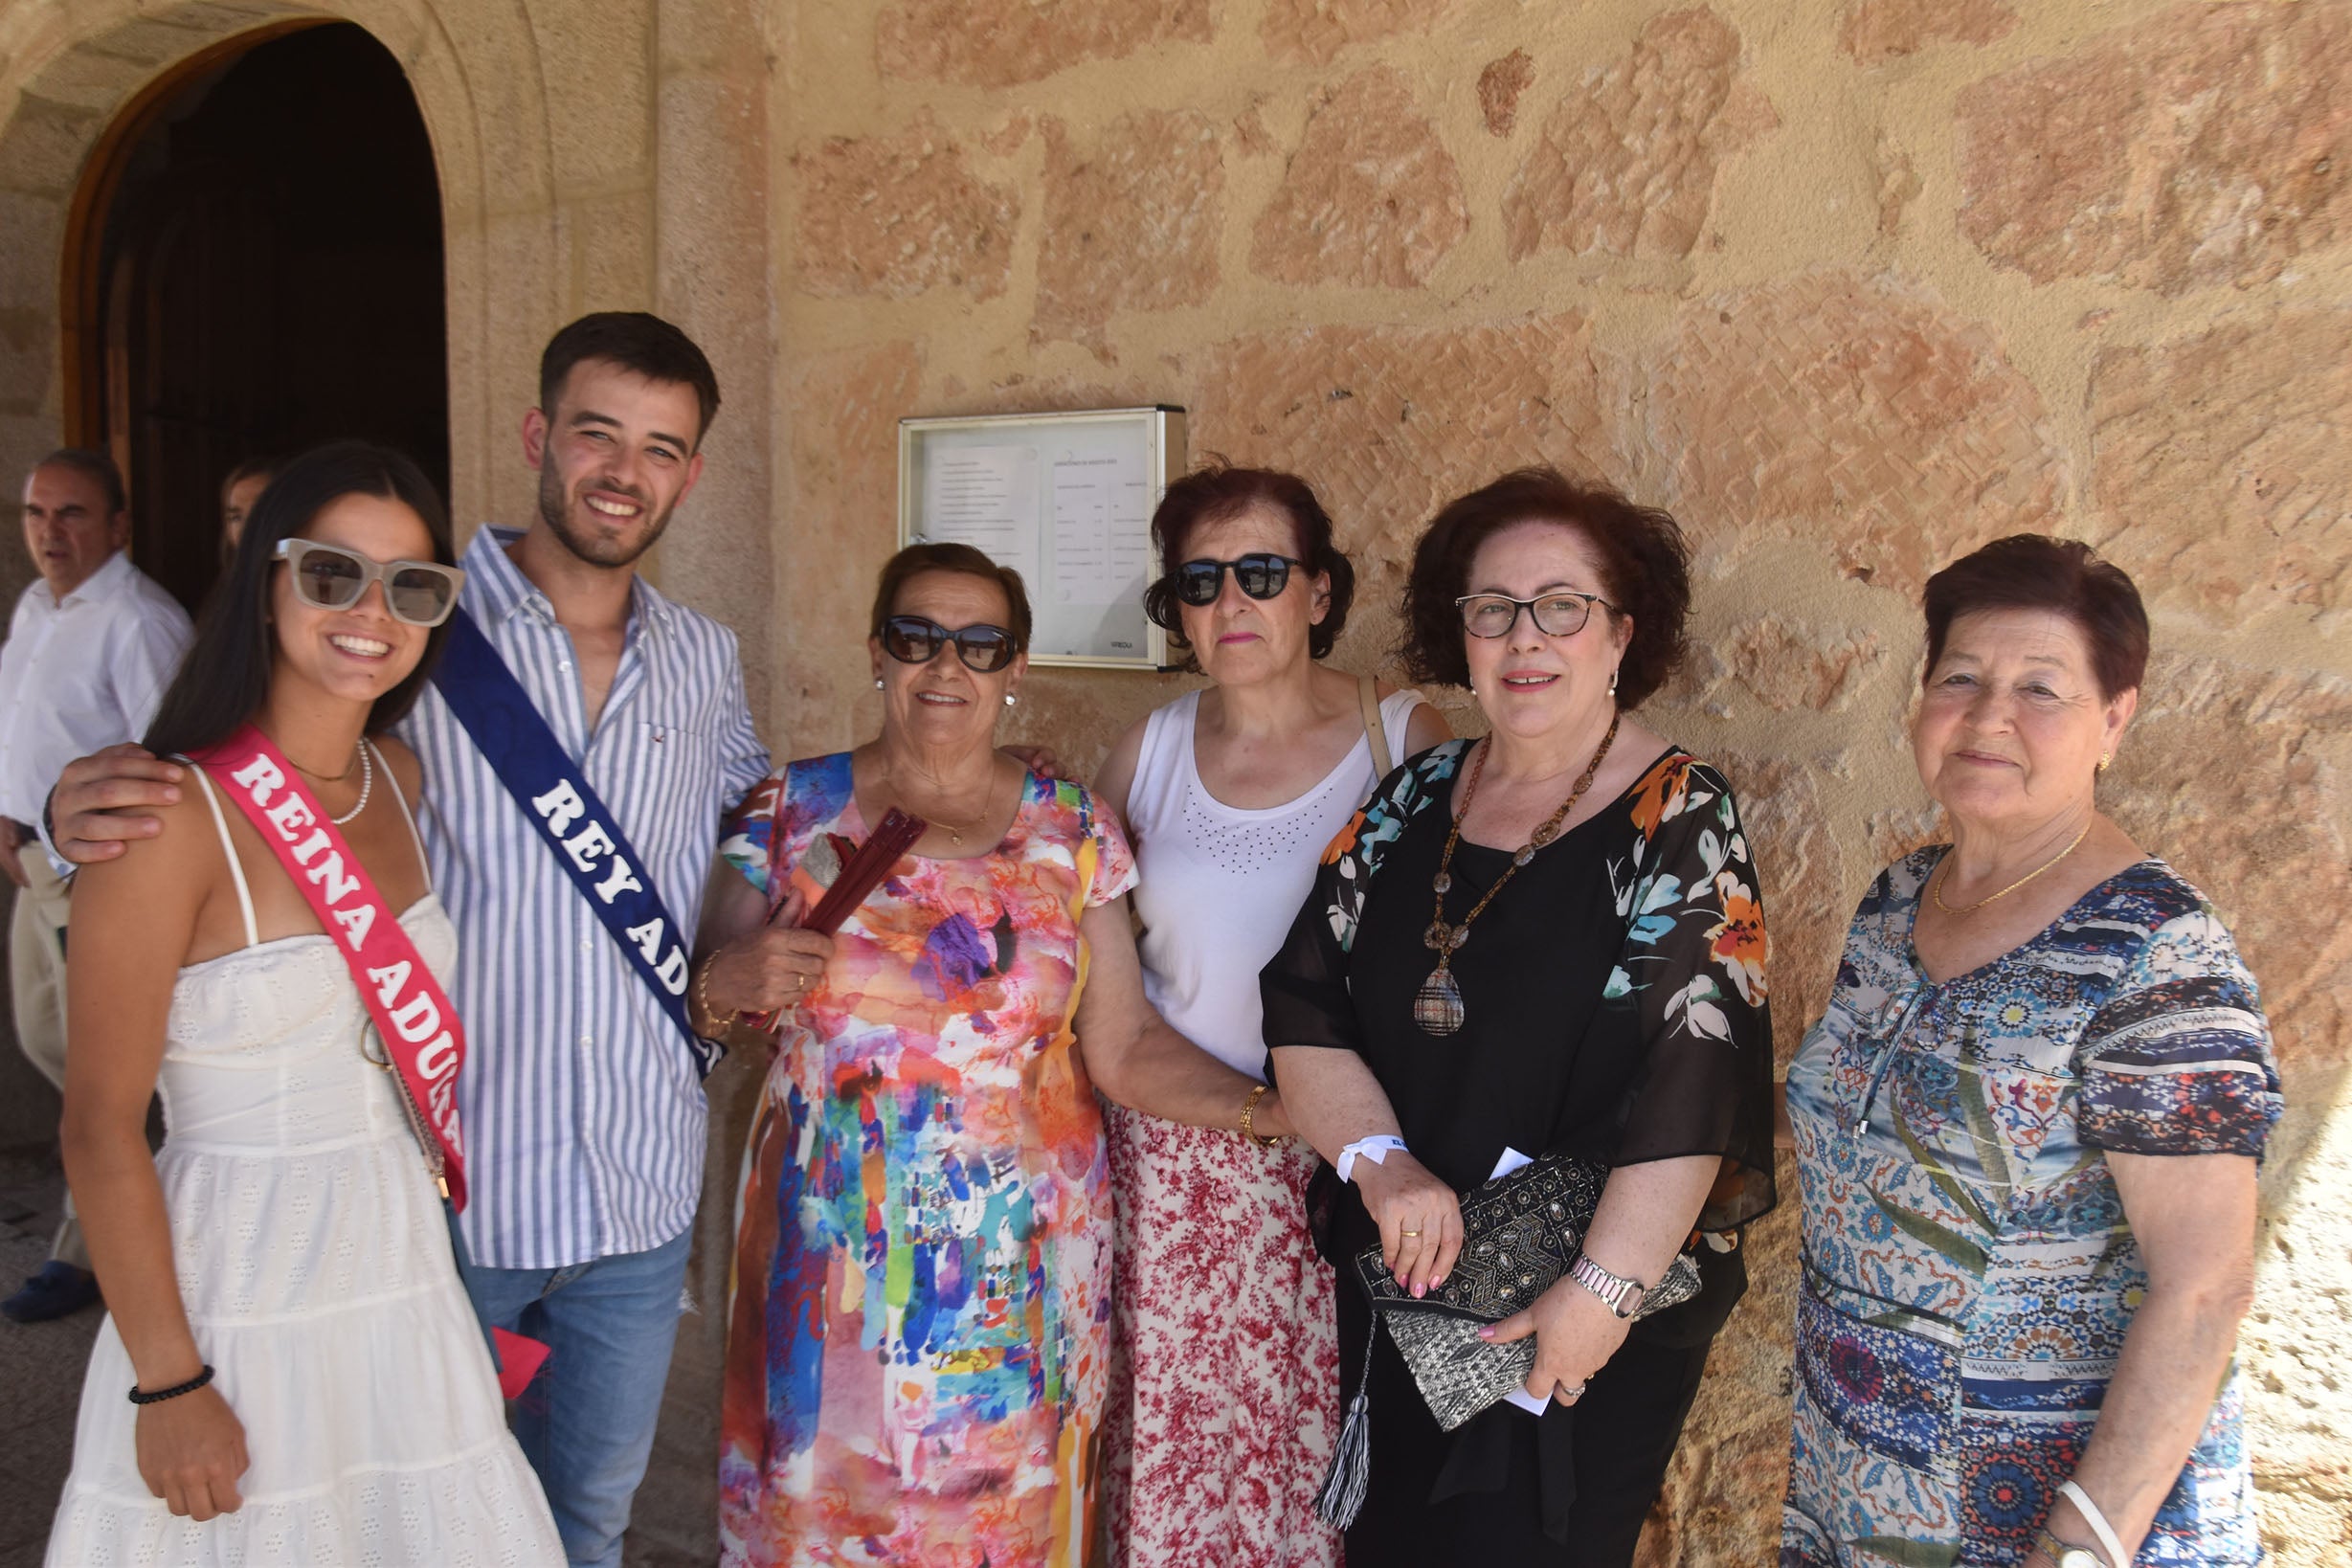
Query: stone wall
(1850,285)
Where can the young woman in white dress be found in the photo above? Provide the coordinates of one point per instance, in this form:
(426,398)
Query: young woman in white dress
(1226,1392)
(284,1259)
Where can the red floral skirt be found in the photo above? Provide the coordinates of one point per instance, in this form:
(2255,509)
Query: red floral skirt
(1224,1381)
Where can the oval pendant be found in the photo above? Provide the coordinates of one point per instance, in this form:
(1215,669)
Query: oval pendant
(1437,1006)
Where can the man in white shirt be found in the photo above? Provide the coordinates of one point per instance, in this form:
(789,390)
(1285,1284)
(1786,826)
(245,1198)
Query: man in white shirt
(93,644)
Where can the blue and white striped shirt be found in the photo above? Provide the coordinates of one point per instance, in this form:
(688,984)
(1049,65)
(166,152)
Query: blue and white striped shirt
(583,1117)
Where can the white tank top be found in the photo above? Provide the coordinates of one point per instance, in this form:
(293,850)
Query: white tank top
(1221,885)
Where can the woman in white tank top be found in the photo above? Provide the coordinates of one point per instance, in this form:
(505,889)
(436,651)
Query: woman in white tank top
(1225,1375)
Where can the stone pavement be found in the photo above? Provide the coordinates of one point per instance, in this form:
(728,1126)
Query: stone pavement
(40,1363)
(41,1367)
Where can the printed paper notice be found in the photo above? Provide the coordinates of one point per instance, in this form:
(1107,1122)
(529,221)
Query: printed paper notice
(1102,537)
(985,497)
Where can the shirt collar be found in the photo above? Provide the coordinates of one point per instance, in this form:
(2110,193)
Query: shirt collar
(102,584)
(500,590)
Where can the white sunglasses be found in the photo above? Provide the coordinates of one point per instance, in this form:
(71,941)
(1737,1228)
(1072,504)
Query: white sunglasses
(332,577)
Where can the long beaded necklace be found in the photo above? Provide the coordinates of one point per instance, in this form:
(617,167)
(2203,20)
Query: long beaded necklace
(1437,1006)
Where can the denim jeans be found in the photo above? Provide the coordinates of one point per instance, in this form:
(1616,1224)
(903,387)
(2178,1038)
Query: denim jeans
(586,1423)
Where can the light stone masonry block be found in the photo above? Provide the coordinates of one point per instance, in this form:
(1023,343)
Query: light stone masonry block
(1131,222)
(1857,411)
(895,215)
(1002,43)
(1370,199)
(2223,462)
(2135,158)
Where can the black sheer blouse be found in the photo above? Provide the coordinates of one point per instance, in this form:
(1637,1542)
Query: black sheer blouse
(1614,991)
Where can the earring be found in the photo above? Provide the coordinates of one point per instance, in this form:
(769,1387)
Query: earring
(877,683)
(2106,758)
(1612,682)
(1009,699)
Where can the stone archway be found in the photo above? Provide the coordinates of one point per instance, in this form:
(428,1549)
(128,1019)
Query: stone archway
(252,266)
(593,154)
(84,71)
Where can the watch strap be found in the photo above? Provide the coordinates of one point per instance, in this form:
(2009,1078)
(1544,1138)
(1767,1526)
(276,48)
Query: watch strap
(1617,1293)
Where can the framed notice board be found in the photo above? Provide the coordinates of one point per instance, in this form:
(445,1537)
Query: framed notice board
(1064,498)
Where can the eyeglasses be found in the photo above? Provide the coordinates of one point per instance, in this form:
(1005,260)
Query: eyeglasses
(332,577)
(1262,574)
(915,640)
(1556,614)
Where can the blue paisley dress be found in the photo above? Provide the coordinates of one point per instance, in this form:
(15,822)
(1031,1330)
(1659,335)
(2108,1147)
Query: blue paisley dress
(1968,1272)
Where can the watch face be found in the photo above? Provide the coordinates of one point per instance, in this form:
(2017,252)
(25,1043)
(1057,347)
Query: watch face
(2076,1557)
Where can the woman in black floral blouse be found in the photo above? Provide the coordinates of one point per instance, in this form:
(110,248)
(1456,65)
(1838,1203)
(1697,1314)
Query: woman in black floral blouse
(1548,941)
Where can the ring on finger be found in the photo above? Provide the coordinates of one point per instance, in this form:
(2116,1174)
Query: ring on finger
(1408,1233)
(1570,1394)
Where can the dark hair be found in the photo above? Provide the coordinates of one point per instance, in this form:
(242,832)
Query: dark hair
(634,340)
(916,559)
(261,469)
(1644,571)
(225,678)
(2036,571)
(96,467)
(1217,493)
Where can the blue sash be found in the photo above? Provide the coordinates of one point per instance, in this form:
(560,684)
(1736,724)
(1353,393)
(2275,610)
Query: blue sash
(555,795)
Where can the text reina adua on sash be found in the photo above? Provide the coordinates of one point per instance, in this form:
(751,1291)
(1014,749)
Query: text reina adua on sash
(405,996)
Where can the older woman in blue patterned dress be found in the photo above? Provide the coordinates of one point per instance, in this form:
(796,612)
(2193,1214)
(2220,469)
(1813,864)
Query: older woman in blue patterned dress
(2026,1132)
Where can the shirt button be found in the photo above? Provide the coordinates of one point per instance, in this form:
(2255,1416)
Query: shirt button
(564,664)
(587,1040)
(588,944)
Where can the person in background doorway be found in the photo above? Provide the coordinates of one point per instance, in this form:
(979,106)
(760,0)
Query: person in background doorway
(237,494)
(93,644)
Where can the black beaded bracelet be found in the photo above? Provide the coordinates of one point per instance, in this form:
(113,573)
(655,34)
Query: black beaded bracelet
(174,1392)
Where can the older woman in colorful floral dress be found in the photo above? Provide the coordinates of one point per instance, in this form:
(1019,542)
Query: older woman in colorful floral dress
(2026,1132)
(918,1348)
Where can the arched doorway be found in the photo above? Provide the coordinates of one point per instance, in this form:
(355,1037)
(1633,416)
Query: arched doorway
(257,266)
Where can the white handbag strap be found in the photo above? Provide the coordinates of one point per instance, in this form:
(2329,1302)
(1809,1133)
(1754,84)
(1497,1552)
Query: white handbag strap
(2097,1521)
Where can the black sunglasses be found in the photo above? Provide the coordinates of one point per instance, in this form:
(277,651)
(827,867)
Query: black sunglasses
(1262,574)
(916,640)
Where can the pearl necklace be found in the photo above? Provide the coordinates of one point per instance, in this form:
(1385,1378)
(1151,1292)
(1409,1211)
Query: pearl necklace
(367,783)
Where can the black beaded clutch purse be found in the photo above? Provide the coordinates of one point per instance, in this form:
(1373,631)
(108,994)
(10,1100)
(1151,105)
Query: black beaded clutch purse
(1521,1232)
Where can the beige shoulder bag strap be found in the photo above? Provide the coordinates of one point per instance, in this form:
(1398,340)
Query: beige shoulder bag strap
(1368,693)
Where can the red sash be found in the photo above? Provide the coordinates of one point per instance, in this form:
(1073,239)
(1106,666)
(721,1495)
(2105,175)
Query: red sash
(419,1026)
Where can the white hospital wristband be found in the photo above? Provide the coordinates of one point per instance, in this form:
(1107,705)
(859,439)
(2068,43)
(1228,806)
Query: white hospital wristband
(1374,1149)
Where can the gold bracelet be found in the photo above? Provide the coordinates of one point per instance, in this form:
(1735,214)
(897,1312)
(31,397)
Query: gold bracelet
(702,1003)
(1249,1117)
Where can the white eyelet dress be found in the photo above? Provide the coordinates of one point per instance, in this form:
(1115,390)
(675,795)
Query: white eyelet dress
(316,1267)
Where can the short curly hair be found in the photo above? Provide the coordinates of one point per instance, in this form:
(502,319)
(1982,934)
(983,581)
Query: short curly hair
(2040,572)
(1219,491)
(1644,571)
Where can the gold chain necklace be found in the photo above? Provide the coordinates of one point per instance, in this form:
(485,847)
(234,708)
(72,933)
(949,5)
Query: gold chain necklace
(956,835)
(1944,875)
(1437,1007)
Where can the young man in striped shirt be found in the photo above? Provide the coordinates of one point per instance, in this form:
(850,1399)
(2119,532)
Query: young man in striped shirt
(582,1105)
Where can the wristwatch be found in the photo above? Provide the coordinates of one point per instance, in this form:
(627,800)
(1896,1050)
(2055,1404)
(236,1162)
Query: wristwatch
(2063,1555)
(1620,1295)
